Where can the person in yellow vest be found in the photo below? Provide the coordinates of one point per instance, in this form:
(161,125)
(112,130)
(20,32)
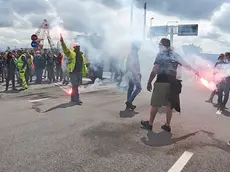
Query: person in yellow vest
(22,66)
(76,67)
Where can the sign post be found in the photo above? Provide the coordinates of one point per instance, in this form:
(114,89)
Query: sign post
(158,31)
(34,44)
(188,30)
(180,30)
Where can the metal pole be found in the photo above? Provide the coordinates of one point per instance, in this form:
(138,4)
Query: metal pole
(171,35)
(171,31)
(144,27)
(131,16)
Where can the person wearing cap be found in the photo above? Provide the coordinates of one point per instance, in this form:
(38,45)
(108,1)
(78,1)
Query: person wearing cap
(133,71)
(39,64)
(65,70)
(11,67)
(166,87)
(76,67)
(224,85)
(29,75)
(22,66)
(221,60)
(59,72)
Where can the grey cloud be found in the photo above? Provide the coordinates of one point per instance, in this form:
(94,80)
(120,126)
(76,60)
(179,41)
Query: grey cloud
(211,35)
(221,20)
(87,16)
(196,9)
(115,4)
(22,7)
(6,14)
(29,6)
(80,17)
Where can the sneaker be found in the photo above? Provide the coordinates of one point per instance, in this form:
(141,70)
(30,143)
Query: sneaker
(146,125)
(130,106)
(166,128)
(209,101)
(75,102)
(229,143)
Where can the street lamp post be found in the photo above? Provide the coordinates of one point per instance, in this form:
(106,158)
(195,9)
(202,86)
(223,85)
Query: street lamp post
(144,27)
(131,15)
(151,21)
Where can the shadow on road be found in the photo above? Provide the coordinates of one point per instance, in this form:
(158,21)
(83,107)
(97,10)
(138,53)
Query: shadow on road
(61,106)
(11,91)
(226,113)
(163,138)
(36,107)
(127,114)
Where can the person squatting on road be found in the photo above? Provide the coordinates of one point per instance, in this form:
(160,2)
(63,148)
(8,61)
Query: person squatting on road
(221,60)
(224,85)
(76,67)
(166,87)
(22,66)
(134,79)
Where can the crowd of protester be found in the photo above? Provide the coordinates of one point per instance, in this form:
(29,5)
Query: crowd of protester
(50,66)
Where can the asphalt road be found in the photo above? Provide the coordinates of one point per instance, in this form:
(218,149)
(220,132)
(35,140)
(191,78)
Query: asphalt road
(52,135)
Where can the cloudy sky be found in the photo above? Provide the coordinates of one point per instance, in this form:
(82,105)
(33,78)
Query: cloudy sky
(21,18)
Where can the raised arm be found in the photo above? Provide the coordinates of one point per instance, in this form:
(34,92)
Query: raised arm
(64,47)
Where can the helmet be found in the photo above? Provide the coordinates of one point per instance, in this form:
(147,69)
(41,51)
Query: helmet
(75,45)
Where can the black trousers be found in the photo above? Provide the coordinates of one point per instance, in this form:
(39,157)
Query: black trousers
(10,76)
(50,70)
(59,73)
(76,81)
(38,73)
(223,87)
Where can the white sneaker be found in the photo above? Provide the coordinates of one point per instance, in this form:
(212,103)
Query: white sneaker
(229,143)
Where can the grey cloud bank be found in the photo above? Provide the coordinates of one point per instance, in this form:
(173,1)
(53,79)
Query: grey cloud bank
(91,9)
(106,16)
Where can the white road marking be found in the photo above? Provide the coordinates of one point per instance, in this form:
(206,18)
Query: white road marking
(87,89)
(181,162)
(37,100)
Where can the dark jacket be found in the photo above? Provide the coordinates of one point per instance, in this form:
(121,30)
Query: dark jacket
(79,62)
(10,64)
(50,61)
(174,97)
(39,62)
(58,60)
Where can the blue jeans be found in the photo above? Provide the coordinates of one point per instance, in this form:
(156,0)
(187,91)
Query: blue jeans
(38,73)
(131,94)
